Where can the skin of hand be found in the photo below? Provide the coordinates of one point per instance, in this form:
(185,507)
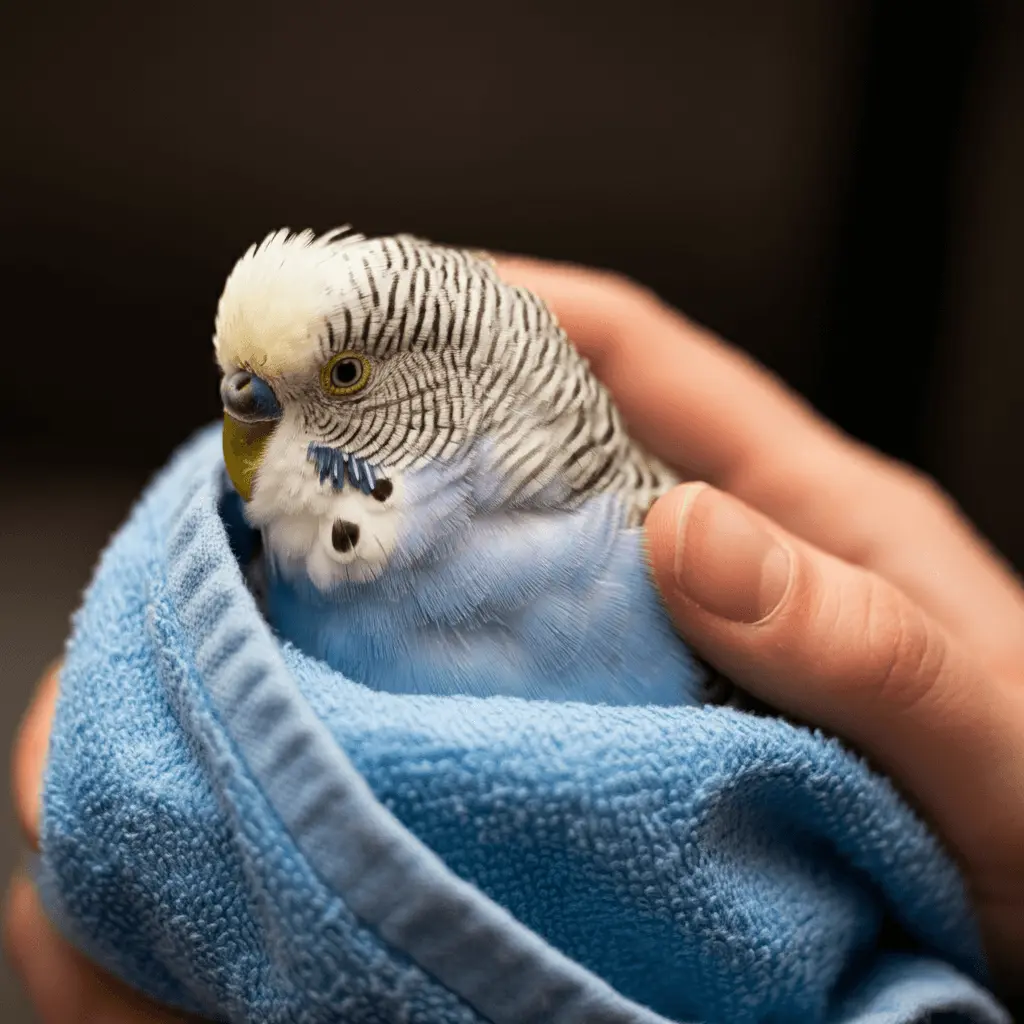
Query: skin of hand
(839,586)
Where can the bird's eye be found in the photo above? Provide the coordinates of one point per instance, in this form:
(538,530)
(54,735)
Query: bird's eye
(346,373)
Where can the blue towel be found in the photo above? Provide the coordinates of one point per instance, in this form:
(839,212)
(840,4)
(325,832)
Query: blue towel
(238,831)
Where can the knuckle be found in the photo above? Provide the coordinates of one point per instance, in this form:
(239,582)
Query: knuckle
(920,482)
(625,291)
(616,281)
(870,645)
(921,487)
(627,304)
(905,654)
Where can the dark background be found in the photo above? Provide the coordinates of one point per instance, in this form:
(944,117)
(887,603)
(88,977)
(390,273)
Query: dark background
(837,187)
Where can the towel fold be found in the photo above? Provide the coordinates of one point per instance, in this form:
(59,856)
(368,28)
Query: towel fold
(238,831)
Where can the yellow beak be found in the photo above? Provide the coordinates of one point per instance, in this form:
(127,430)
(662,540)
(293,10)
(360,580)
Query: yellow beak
(244,444)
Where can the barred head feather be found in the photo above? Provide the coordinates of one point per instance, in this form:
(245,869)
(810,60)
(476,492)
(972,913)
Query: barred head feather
(455,355)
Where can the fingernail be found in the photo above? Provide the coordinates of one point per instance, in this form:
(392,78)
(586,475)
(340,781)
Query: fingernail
(725,561)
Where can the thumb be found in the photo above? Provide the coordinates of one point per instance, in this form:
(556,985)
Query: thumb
(830,643)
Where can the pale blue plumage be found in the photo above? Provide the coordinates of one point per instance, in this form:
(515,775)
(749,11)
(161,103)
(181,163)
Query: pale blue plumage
(481,599)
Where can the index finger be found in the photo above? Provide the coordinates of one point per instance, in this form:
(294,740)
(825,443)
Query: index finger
(699,404)
(716,415)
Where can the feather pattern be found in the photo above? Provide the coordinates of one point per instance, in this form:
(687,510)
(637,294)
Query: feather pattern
(457,355)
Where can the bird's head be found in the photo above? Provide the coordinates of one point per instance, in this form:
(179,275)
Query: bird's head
(373,347)
(350,361)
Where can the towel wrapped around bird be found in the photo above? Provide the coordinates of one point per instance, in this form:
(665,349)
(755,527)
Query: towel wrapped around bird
(372,713)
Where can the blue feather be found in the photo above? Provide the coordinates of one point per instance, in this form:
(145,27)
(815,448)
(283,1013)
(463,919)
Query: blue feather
(335,464)
(482,600)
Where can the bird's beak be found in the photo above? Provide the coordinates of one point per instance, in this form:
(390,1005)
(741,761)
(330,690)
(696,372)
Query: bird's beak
(251,412)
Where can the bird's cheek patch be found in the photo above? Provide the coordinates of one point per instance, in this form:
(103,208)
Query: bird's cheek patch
(344,535)
(357,535)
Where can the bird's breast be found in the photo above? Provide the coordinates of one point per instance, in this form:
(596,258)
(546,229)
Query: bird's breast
(539,605)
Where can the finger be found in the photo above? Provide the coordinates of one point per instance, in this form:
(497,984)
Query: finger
(61,984)
(838,646)
(688,397)
(712,412)
(29,756)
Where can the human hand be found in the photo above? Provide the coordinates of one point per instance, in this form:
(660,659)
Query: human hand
(62,985)
(893,624)
(829,581)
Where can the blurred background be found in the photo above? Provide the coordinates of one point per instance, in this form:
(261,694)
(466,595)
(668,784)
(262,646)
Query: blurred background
(836,187)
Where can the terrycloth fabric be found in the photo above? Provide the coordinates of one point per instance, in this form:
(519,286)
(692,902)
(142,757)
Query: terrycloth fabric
(238,831)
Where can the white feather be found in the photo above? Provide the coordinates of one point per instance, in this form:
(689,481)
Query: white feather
(297,514)
(275,298)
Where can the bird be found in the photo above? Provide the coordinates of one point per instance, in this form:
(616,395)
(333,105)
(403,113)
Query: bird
(447,499)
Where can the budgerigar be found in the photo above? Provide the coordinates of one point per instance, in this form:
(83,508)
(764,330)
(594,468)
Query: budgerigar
(448,499)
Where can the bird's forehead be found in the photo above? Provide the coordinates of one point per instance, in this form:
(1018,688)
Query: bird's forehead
(269,318)
(272,346)
(285,293)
